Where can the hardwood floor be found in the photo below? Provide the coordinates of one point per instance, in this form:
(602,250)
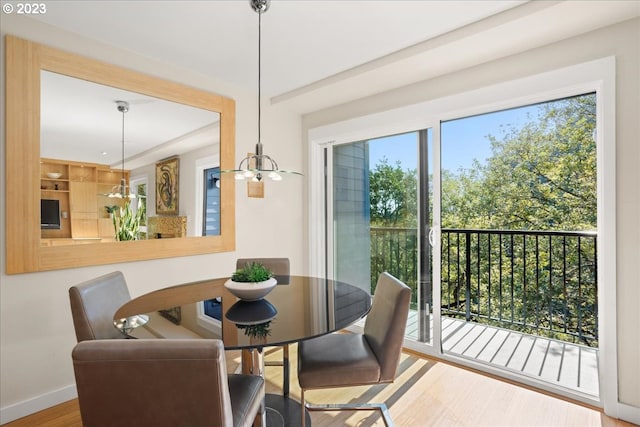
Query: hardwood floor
(426,393)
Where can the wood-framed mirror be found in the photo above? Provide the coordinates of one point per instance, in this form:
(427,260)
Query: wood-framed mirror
(25,62)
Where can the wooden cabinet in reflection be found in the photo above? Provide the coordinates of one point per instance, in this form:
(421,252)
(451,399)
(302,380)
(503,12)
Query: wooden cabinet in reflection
(81,189)
(84,209)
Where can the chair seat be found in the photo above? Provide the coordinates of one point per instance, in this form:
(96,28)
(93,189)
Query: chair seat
(244,392)
(321,366)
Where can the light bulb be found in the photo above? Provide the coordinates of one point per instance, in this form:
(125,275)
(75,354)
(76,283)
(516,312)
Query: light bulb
(275,176)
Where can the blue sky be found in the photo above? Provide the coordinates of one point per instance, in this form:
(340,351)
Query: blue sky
(462,139)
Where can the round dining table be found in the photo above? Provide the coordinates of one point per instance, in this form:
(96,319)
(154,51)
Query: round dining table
(298,308)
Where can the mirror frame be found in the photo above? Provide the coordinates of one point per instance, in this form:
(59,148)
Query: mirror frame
(23,62)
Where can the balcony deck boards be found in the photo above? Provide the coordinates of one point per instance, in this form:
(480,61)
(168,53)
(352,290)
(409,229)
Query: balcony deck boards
(568,365)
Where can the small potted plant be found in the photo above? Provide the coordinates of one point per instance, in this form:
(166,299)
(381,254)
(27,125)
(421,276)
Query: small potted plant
(252,282)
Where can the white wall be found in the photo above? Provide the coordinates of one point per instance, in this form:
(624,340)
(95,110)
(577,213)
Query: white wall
(623,42)
(36,330)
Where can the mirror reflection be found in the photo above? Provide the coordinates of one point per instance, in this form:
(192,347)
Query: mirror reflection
(170,161)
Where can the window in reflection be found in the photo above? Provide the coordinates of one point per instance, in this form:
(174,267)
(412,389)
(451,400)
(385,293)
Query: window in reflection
(211,202)
(139,188)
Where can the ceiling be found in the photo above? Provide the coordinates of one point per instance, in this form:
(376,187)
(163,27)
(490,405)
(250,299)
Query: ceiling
(316,54)
(80,121)
(302,41)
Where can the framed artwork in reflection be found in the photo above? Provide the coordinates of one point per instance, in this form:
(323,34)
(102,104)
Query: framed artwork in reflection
(167,174)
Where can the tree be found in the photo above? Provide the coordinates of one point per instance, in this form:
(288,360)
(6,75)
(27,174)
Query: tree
(393,206)
(393,195)
(541,176)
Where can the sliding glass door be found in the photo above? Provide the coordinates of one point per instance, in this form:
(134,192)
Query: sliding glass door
(378,201)
(501,223)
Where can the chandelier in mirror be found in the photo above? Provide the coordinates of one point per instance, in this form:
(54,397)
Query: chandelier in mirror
(121,191)
(257,166)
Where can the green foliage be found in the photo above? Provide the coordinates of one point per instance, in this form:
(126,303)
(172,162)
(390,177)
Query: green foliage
(252,272)
(393,195)
(257,331)
(393,210)
(539,177)
(126,223)
(141,191)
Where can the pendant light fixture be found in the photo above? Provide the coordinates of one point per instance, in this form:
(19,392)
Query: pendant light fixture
(257,166)
(121,191)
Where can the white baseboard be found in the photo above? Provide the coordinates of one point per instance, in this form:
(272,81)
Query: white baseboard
(22,409)
(629,413)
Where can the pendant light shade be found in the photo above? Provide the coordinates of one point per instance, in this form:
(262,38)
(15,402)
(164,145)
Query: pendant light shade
(257,166)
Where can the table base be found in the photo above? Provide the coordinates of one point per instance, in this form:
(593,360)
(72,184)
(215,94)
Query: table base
(283,411)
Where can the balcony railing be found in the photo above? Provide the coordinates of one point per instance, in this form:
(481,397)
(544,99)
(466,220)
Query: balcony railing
(395,250)
(538,282)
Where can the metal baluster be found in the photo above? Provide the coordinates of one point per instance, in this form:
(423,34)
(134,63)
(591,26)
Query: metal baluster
(524,279)
(449,269)
(500,277)
(478,271)
(595,281)
(512,278)
(550,290)
(467,270)
(537,283)
(564,281)
(580,335)
(457,290)
(489,274)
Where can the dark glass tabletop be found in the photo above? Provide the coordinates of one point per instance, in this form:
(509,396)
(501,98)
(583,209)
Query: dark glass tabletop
(298,308)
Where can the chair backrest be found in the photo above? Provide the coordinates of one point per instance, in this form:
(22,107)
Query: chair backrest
(93,304)
(278,266)
(386,322)
(152,382)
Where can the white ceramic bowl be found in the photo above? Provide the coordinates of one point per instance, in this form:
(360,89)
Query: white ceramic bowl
(250,291)
(54,175)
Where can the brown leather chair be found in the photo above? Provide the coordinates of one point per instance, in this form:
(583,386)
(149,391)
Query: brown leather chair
(281,271)
(162,382)
(93,304)
(345,359)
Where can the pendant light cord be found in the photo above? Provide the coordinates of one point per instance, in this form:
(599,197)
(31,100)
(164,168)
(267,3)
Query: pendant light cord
(259,69)
(122,166)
